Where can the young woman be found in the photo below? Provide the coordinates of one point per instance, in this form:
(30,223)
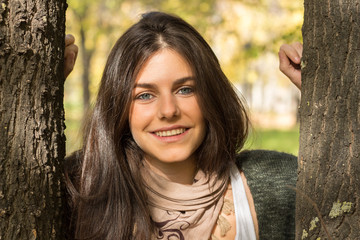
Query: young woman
(161,152)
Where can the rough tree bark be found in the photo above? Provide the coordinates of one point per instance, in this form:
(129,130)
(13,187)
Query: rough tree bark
(328,199)
(32,141)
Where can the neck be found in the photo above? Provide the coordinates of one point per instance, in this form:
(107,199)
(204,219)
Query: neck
(179,172)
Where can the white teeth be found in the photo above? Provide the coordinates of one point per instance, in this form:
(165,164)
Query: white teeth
(170,133)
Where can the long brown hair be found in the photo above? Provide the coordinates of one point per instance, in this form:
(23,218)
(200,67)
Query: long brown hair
(110,202)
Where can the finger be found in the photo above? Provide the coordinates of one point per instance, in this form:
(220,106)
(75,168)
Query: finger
(298,47)
(69,39)
(291,52)
(70,58)
(69,63)
(283,59)
(71,49)
(287,67)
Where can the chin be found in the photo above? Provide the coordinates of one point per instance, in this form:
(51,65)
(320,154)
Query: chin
(174,157)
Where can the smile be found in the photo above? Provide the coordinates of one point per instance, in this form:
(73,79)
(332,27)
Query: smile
(170,133)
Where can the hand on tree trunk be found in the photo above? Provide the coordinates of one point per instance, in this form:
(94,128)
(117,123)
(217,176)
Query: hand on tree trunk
(71,51)
(290,62)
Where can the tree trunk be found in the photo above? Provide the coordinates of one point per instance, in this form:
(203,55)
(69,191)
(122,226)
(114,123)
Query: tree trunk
(328,198)
(32,141)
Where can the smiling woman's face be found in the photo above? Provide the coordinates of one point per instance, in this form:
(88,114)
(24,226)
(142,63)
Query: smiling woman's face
(165,118)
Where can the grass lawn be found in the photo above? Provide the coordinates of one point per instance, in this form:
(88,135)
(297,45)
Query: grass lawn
(274,139)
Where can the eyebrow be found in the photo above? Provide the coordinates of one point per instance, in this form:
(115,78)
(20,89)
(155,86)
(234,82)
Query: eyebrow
(177,82)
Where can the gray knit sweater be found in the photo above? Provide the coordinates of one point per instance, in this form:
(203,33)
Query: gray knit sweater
(269,175)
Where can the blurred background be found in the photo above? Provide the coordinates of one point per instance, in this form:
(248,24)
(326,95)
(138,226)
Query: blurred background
(245,35)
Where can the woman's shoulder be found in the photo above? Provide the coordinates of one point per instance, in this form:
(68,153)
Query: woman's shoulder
(258,160)
(271,177)
(265,169)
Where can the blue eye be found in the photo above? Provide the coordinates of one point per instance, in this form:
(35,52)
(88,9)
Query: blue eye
(144,96)
(186,90)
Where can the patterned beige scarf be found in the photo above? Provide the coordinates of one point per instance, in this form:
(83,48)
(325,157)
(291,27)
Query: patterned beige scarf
(184,212)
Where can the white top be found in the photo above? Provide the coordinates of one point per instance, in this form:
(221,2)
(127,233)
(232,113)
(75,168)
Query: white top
(245,229)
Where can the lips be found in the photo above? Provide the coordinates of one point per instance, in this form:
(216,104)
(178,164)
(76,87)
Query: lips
(170,133)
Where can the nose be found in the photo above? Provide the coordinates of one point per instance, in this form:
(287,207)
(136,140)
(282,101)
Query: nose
(168,107)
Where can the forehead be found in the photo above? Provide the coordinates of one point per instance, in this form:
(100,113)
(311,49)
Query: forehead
(165,64)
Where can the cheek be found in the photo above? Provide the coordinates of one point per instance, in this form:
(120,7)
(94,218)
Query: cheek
(139,118)
(197,112)
(133,121)
(199,118)
(134,129)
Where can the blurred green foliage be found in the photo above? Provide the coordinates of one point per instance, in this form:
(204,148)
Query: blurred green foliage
(286,140)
